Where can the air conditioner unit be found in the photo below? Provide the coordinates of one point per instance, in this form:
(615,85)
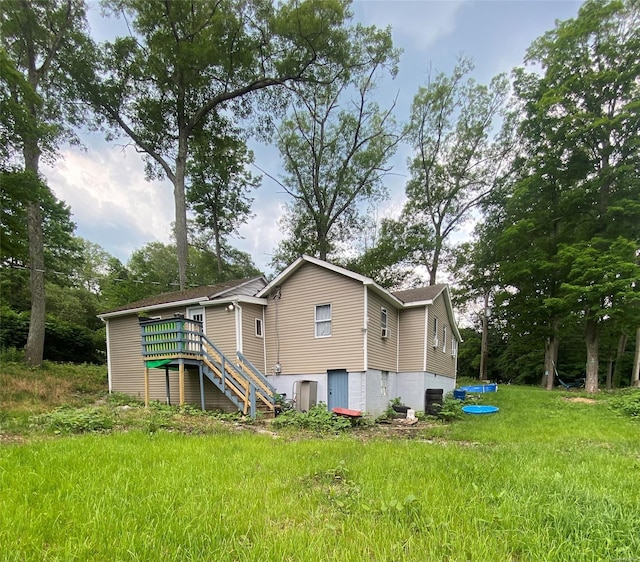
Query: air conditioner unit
(436,343)
(385,332)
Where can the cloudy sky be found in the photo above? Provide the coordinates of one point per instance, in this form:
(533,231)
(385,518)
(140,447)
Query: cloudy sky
(114,206)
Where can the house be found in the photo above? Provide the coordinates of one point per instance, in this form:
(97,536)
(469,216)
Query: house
(316,332)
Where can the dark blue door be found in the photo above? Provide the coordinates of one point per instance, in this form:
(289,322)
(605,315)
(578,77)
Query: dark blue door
(338,389)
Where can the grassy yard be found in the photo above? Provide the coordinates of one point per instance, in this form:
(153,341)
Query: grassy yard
(551,477)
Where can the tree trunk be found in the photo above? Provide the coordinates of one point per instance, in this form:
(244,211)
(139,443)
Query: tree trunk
(433,270)
(216,234)
(622,345)
(323,244)
(609,377)
(180,228)
(635,376)
(591,338)
(550,358)
(484,348)
(34,349)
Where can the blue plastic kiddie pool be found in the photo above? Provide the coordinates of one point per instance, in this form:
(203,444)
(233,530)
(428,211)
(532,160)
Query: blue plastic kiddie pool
(480,409)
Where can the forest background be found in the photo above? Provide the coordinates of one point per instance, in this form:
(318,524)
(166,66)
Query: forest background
(543,163)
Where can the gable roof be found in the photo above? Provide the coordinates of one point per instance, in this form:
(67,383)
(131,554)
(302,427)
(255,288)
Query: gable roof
(284,275)
(194,295)
(420,295)
(423,296)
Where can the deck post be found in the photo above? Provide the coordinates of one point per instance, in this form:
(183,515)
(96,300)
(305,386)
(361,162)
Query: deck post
(146,385)
(167,384)
(181,380)
(200,372)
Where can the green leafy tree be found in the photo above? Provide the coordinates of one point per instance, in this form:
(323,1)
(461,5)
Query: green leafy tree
(61,250)
(39,40)
(187,62)
(153,269)
(335,144)
(219,192)
(582,146)
(458,160)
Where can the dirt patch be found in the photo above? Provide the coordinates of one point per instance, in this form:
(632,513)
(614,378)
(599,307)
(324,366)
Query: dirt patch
(580,400)
(6,438)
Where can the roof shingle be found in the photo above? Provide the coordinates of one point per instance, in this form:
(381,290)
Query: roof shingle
(420,294)
(186,295)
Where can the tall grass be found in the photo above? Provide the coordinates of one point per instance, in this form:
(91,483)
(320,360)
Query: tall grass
(521,485)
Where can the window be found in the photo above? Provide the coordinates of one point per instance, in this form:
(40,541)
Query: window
(259,327)
(384,383)
(323,320)
(383,322)
(454,347)
(444,339)
(196,313)
(435,331)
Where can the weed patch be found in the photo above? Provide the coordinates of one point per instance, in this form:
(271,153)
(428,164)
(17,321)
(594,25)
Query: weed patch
(317,419)
(627,402)
(74,420)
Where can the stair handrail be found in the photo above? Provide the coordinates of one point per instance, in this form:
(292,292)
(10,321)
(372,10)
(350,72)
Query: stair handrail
(261,382)
(227,371)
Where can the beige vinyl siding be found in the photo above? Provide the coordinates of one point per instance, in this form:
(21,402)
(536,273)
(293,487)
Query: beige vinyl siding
(127,367)
(125,355)
(253,346)
(221,329)
(440,362)
(382,352)
(412,339)
(300,351)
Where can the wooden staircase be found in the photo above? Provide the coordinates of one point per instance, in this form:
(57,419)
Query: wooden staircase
(180,341)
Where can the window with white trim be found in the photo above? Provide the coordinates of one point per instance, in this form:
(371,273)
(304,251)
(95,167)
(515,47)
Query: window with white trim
(323,320)
(259,332)
(454,347)
(444,339)
(435,332)
(383,322)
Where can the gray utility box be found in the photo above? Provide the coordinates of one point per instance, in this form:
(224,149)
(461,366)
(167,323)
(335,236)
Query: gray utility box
(305,394)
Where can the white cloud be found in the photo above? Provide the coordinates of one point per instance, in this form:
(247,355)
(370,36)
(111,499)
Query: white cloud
(110,199)
(415,24)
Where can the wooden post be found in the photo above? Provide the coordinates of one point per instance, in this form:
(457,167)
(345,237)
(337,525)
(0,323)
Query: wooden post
(146,385)
(181,381)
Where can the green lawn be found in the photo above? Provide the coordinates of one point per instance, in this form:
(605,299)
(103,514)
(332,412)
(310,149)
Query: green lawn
(545,479)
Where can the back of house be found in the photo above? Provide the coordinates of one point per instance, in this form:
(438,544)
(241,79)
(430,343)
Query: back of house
(317,332)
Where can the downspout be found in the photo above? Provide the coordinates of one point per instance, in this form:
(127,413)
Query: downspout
(106,323)
(426,338)
(264,340)
(365,330)
(238,311)
(398,344)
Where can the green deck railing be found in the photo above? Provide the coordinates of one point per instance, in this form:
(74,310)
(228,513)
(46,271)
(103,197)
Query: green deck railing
(167,340)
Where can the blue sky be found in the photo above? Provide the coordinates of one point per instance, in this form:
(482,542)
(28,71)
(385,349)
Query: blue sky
(114,206)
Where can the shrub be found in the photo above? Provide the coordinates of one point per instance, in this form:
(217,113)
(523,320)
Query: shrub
(63,340)
(451,408)
(627,402)
(317,419)
(73,420)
